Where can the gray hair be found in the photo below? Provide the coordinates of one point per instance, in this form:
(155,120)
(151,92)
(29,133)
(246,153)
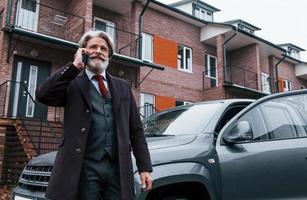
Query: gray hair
(96,34)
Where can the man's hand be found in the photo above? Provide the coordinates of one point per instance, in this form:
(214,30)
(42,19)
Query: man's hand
(146,181)
(78,58)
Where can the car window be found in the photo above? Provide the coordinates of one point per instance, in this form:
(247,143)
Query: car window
(280,118)
(181,121)
(257,124)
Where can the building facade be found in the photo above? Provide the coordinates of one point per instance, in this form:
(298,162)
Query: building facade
(181,55)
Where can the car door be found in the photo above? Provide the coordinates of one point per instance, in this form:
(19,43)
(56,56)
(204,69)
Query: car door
(262,151)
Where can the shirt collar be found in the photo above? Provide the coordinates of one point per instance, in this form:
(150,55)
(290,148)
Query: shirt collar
(91,74)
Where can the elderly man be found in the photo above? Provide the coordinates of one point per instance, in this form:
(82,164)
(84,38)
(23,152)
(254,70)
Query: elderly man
(101,127)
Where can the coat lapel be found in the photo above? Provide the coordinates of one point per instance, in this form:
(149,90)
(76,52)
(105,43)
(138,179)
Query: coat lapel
(84,84)
(114,89)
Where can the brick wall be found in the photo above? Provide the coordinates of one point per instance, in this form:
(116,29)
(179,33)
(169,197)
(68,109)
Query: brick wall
(172,82)
(286,70)
(76,25)
(243,66)
(47,12)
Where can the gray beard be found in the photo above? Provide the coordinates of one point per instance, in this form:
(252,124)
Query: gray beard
(97,67)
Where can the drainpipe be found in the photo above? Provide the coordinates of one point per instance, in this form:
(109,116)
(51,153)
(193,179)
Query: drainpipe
(141,28)
(8,17)
(224,53)
(276,71)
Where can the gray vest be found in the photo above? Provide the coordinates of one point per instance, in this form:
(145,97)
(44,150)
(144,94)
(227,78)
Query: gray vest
(101,139)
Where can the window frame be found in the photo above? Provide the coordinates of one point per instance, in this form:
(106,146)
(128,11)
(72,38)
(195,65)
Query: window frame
(263,77)
(203,14)
(208,68)
(144,47)
(109,24)
(287,85)
(184,68)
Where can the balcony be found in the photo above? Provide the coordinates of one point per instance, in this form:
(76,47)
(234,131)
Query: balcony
(40,19)
(242,77)
(301,71)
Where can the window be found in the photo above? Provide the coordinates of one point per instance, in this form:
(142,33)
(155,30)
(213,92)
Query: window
(280,118)
(147,106)
(203,14)
(31,88)
(293,53)
(211,69)
(265,82)
(27,14)
(29,5)
(184,62)
(244,28)
(147,47)
(107,26)
(287,85)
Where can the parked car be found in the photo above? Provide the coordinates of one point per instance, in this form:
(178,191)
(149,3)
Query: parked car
(225,149)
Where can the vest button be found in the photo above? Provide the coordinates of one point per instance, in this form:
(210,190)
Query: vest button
(87,111)
(78,150)
(83,130)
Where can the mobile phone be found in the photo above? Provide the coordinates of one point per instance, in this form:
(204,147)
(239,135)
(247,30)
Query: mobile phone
(84,58)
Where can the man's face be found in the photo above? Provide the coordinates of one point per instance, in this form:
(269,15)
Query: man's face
(98,51)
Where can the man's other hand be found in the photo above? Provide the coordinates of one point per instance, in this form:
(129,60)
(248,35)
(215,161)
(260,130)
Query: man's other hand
(146,181)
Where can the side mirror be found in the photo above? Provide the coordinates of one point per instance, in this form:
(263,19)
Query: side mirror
(239,133)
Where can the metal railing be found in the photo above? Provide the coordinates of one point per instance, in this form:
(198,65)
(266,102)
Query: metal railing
(125,42)
(10,92)
(58,23)
(147,110)
(242,77)
(41,18)
(209,78)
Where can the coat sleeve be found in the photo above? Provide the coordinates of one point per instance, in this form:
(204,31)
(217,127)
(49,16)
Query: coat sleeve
(137,139)
(53,91)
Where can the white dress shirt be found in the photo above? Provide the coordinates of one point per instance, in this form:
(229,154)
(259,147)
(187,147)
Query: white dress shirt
(91,75)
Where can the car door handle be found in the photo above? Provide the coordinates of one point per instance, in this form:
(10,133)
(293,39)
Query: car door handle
(306,157)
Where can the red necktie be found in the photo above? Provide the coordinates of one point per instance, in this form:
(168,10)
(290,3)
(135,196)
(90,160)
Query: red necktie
(101,85)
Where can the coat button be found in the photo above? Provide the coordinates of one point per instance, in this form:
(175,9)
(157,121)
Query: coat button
(83,130)
(78,150)
(87,111)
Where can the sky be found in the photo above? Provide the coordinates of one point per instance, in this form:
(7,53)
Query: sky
(281,21)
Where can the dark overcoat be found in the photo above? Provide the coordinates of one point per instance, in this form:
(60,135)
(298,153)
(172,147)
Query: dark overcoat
(68,87)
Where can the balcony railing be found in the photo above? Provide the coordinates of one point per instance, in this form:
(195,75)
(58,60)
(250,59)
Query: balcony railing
(147,110)
(125,42)
(42,19)
(242,77)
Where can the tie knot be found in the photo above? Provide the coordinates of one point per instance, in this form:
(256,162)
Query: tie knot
(98,77)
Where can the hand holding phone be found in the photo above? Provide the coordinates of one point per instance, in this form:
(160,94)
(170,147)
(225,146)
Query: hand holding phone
(80,59)
(84,58)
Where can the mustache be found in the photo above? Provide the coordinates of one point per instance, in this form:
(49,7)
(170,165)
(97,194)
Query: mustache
(103,59)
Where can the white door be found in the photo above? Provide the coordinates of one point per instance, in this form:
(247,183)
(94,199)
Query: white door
(27,14)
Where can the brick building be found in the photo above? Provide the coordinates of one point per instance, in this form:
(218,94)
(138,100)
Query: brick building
(170,54)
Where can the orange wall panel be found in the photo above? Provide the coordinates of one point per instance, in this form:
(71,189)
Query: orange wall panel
(163,102)
(165,51)
(281,84)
